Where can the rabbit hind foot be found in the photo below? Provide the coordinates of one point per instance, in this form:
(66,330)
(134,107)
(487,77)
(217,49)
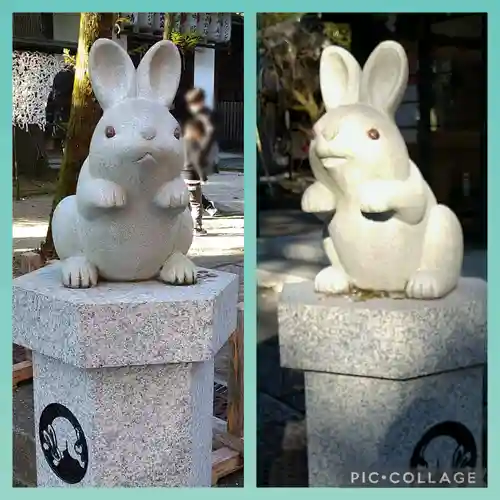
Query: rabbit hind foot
(78,272)
(442,257)
(178,270)
(332,280)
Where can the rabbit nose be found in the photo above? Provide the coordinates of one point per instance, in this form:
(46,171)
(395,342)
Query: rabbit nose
(329,132)
(322,146)
(148,133)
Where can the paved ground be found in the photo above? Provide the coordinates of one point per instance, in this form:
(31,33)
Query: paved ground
(231,161)
(225,233)
(222,248)
(289,249)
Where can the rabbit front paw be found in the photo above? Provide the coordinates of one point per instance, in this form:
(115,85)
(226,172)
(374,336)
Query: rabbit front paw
(78,272)
(332,280)
(178,270)
(107,194)
(424,285)
(318,198)
(173,194)
(376,196)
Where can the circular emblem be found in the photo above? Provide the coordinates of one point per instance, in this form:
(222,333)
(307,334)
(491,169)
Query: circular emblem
(448,444)
(63,443)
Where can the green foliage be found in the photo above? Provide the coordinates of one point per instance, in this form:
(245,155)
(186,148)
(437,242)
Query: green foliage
(124,22)
(69,60)
(185,42)
(338,34)
(290,53)
(265,20)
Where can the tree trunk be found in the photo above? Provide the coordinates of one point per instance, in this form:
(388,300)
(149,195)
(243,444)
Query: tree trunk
(84,115)
(169,24)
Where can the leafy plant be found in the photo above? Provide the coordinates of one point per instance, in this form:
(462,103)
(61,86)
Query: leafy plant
(123,22)
(185,42)
(290,55)
(69,60)
(269,19)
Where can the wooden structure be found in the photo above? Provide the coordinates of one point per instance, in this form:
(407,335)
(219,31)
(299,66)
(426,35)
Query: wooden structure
(22,369)
(227,440)
(227,455)
(229,89)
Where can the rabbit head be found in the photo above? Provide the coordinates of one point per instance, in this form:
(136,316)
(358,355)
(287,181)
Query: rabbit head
(357,138)
(136,133)
(49,444)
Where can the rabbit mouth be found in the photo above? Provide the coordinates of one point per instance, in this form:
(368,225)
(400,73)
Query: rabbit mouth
(146,158)
(333,161)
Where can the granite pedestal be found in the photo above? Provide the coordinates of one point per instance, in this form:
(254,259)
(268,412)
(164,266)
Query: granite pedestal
(394,388)
(123,377)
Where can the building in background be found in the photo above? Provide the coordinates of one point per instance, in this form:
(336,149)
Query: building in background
(215,64)
(443,116)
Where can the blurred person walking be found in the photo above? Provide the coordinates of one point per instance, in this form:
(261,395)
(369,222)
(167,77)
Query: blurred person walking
(193,171)
(198,109)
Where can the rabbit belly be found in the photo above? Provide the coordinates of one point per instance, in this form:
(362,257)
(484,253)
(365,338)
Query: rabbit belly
(125,250)
(65,225)
(377,255)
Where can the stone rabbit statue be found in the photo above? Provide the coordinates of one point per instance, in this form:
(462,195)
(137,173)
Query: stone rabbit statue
(129,219)
(387,232)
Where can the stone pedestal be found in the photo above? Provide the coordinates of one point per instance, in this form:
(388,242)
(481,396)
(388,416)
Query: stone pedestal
(394,388)
(123,377)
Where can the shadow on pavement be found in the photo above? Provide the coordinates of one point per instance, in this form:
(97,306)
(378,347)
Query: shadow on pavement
(281,431)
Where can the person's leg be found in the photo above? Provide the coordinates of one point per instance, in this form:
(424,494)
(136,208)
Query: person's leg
(211,168)
(209,206)
(205,201)
(195,200)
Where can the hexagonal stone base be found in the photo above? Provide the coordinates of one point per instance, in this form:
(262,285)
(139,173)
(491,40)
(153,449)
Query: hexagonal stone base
(394,388)
(383,337)
(141,426)
(120,324)
(123,377)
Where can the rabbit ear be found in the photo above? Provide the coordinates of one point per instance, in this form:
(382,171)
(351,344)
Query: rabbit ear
(159,73)
(339,76)
(385,76)
(111,72)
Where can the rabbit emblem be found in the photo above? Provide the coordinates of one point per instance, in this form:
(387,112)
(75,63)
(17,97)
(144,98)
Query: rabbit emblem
(129,219)
(60,437)
(447,446)
(387,231)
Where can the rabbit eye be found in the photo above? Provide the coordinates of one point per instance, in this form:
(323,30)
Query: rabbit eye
(177,133)
(374,134)
(110,132)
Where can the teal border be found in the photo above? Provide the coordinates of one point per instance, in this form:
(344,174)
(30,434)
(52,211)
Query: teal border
(249,491)
(250,166)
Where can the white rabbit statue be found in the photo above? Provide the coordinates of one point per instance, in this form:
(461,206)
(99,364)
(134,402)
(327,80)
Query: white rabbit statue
(129,219)
(387,232)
